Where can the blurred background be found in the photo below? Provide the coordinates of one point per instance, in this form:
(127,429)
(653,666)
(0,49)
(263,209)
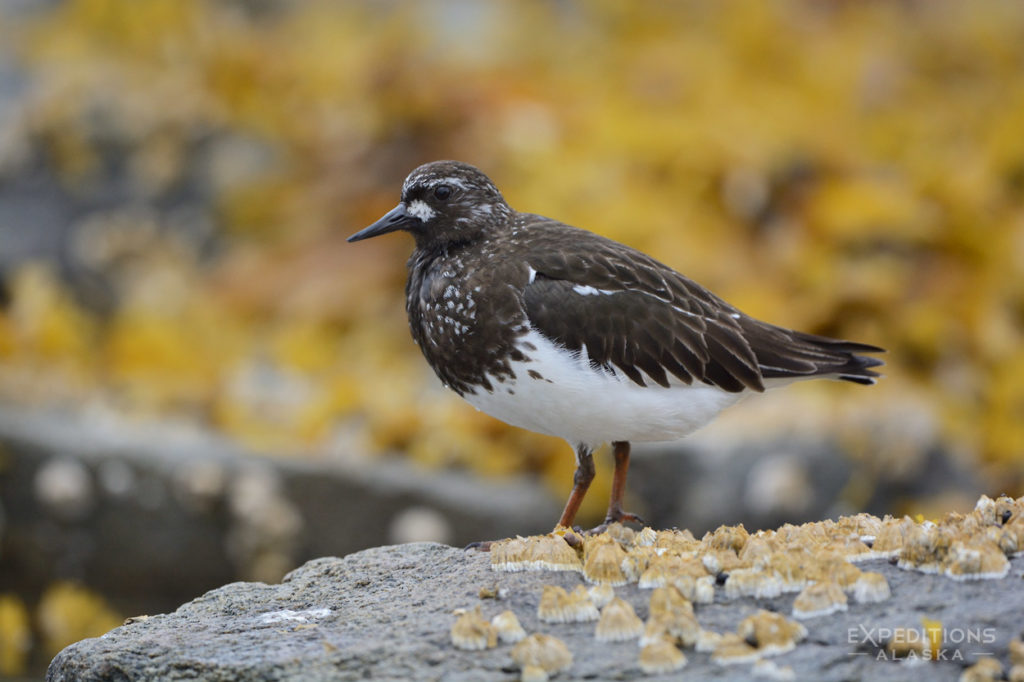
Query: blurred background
(200,381)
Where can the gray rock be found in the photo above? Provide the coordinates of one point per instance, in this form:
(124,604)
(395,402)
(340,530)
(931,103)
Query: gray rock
(385,614)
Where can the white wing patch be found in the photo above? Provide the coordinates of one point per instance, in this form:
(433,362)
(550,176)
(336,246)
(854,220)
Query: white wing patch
(587,290)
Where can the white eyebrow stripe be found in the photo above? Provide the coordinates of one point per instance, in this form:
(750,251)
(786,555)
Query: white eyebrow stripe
(450,180)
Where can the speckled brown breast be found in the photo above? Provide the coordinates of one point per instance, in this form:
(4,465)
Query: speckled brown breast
(466,311)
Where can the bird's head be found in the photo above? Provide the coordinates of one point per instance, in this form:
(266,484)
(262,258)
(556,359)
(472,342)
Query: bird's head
(443,203)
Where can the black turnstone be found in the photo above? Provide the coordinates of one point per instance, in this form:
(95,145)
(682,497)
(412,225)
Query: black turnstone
(561,331)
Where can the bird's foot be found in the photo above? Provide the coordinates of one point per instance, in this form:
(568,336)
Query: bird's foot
(616,515)
(483,546)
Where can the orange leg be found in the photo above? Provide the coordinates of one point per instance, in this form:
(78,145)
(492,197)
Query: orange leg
(580,482)
(615,512)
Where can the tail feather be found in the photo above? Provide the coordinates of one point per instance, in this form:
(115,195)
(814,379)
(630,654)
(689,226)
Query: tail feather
(783,353)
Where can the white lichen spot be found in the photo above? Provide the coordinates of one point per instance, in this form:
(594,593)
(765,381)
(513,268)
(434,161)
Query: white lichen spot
(289,616)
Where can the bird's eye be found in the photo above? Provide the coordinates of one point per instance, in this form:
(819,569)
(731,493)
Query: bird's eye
(442,192)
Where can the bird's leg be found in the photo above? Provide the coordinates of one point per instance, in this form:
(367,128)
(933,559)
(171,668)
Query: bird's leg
(580,482)
(615,512)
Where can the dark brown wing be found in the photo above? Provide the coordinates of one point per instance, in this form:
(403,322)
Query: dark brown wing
(630,312)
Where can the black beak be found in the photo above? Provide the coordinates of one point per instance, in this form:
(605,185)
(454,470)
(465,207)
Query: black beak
(395,219)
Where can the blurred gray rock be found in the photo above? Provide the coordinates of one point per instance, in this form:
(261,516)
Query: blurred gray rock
(386,613)
(152,514)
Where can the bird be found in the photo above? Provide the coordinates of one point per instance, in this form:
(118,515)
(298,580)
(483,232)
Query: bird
(561,331)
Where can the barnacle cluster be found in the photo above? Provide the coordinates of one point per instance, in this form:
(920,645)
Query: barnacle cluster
(1017,659)
(820,562)
(558,606)
(965,546)
(538,655)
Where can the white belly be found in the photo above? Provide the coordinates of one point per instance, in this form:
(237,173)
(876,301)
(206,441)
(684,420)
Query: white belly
(573,401)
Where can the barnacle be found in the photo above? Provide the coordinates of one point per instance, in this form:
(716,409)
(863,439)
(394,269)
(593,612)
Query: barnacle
(656,630)
(987,669)
(1017,651)
(751,582)
(645,538)
(637,561)
(507,627)
(602,561)
(707,641)
(510,555)
(540,552)
(791,571)
(552,553)
(1015,529)
(995,512)
(770,670)
(671,614)
(558,606)
(698,590)
(836,569)
(733,650)
(871,587)
(819,599)
(907,643)
(665,569)
(976,561)
(472,633)
(721,561)
(727,537)
(668,601)
(622,534)
(925,546)
(600,595)
(889,539)
(1003,537)
(618,622)
(533,673)
(677,541)
(864,526)
(661,657)
(548,653)
(851,548)
(756,551)
(771,633)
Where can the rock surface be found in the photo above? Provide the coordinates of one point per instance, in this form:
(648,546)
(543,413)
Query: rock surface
(386,613)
